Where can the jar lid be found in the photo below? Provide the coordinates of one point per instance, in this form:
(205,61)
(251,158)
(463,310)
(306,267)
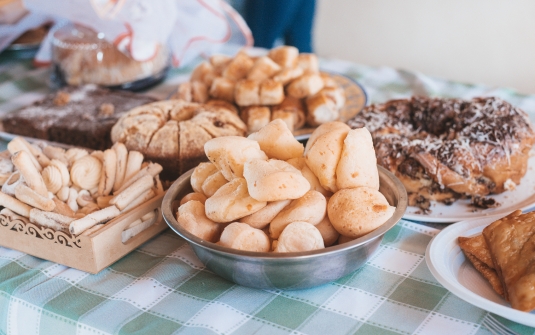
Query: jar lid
(76,36)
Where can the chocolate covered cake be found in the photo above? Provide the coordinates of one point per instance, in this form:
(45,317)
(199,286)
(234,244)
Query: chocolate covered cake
(81,116)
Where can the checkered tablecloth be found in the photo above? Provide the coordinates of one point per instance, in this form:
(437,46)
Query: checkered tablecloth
(162,288)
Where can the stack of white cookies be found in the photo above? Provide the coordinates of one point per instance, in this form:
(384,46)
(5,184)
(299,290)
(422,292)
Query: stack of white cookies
(283,85)
(76,191)
(269,193)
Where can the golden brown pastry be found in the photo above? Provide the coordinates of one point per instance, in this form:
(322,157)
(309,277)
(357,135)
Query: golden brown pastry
(277,141)
(255,117)
(305,86)
(263,68)
(285,56)
(271,92)
(294,106)
(247,92)
(223,88)
(238,67)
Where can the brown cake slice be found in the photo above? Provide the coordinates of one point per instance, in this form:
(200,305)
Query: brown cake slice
(81,116)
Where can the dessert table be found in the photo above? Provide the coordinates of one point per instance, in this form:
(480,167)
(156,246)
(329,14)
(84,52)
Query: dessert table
(162,288)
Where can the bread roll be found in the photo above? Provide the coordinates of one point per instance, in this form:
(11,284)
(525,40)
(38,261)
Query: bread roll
(357,165)
(205,73)
(294,106)
(323,129)
(263,217)
(299,236)
(274,180)
(336,94)
(308,62)
(199,175)
(193,196)
(305,86)
(310,208)
(232,202)
(213,183)
(354,212)
(327,231)
(285,56)
(277,141)
(191,216)
(263,68)
(247,92)
(287,117)
(323,156)
(286,75)
(271,92)
(183,92)
(238,67)
(241,236)
(199,91)
(230,153)
(328,80)
(220,62)
(256,117)
(321,110)
(223,88)
(300,164)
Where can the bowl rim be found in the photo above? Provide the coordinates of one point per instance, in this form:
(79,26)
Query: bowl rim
(171,221)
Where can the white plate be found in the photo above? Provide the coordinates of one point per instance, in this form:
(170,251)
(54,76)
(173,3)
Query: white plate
(451,269)
(523,197)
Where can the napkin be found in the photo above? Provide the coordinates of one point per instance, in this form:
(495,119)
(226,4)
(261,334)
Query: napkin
(137,27)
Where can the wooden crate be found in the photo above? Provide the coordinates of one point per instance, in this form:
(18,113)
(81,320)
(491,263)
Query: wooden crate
(90,253)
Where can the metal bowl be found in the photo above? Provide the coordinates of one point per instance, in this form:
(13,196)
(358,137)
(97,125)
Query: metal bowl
(295,270)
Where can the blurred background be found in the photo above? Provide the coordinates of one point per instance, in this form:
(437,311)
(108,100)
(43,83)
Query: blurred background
(489,42)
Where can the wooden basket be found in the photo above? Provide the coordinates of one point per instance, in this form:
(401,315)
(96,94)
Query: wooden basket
(90,253)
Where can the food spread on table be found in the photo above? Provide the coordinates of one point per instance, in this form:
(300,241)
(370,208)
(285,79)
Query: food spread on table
(269,193)
(284,84)
(446,149)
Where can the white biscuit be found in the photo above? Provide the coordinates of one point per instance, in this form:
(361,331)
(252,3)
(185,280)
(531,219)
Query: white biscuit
(241,236)
(263,217)
(299,236)
(274,180)
(232,202)
(357,165)
(277,141)
(199,175)
(191,216)
(355,212)
(310,208)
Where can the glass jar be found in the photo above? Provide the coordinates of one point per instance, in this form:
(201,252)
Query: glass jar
(83,56)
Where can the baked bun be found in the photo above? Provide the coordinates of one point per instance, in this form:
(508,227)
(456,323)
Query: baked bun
(299,236)
(300,164)
(357,165)
(285,56)
(247,92)
(222,104)
(223,88)
(230,153)
(321,109)
(191,216)
(193,196)
(327,231)
(294,106)
(271,92)
(200,173)
(324,153)
(241,236)
(310,208)
(232,202)
(205,73)
(238,67)
(274,180)
(305,86)
(213,183)
(173,132)
(220,62)
(277,141)
(263,68)
(255,117)
(199,91)
(354,212)
(287,117)
(183,92)
(335,94)
(308,62)
(286,75)
(263,217)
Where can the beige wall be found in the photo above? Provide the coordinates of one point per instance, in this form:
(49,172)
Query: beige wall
(475,41)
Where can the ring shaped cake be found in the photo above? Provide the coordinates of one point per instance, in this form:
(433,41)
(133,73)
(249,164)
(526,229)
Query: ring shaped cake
(446,149)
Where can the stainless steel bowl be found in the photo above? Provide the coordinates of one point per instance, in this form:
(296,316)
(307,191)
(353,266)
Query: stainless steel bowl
(296,270)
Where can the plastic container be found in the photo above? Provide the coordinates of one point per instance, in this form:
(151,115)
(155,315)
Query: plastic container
(83,56)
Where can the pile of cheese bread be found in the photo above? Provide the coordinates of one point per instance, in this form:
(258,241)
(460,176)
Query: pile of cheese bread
(284,85)
(74,190)
(269,193)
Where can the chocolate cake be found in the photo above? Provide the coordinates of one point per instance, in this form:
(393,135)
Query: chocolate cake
(81,116)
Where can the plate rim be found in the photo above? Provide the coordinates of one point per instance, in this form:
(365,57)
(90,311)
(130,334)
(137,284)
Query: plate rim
(435,248)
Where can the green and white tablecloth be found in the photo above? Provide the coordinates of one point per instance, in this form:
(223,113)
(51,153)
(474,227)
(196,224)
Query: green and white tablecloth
(162,288)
